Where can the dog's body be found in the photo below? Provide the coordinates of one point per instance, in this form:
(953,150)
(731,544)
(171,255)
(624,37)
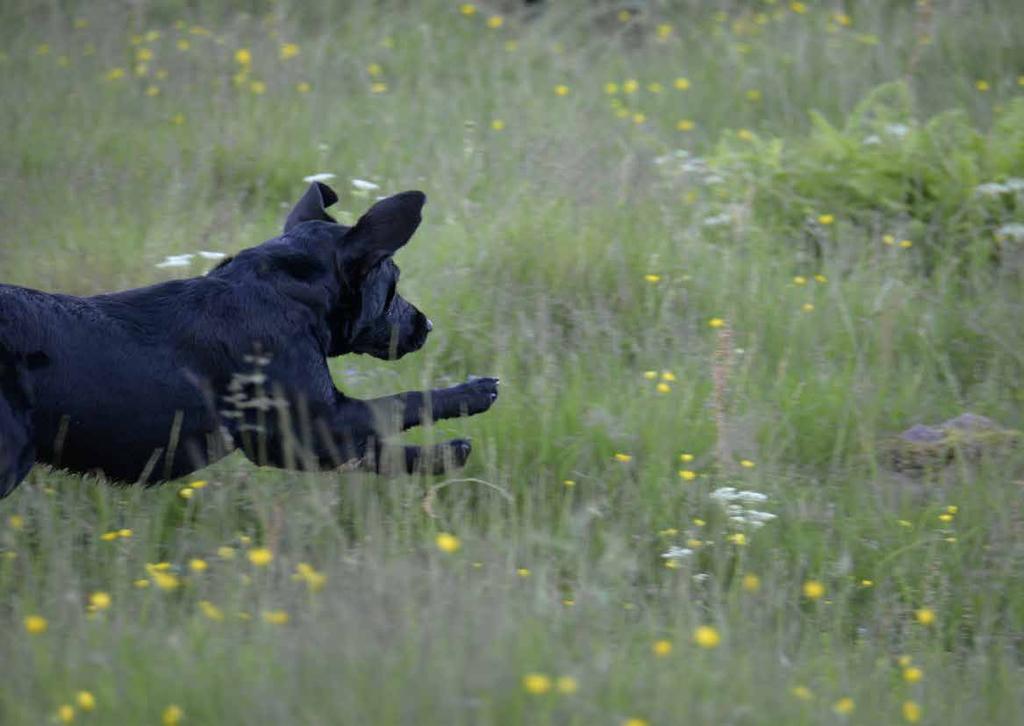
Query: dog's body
(17,451)
(151,384)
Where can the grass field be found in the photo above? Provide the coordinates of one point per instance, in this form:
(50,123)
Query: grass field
(703,245)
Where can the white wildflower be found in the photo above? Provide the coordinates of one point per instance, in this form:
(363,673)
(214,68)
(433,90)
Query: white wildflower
(212,255)
(677,553)
(177,260)
(365,186)
(323,176)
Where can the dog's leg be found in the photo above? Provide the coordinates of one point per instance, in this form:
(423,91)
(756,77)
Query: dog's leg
(434,460)
(412,408)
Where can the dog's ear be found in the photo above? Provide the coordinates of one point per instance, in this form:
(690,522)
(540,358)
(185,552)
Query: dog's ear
(313,205)
(385,228)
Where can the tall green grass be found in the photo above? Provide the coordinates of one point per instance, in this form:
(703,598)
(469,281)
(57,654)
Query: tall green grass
(570,249)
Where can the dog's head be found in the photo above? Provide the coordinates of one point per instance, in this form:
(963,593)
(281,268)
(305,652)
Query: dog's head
(367,315)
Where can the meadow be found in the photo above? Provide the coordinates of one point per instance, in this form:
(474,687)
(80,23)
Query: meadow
(718,254)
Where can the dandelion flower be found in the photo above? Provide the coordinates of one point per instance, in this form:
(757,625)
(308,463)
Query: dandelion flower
(663,31)
(747,464)
(243,57)
(738,538)
(276,617)
(35,624)
(172,715)
(498,125)
(802,693)
(635,722)
(447,543)
(226,553)
(66,713)
(706,637)
(751,582)
(652,278)
(681,84)
(570,483)
(140,584)
(982,85)
(686,458)
(211,611)
(109,536)
(687,474)
(288,50)
(807,307)
(820,278)
(183,44)
(813,590)
(911,711)
(124,533)
(165,580)
(303,87)
(798,7)
(152,91)
(611,88)
(185,492)
(912,674)
(946,517)
(258,87)
(906,244)
(716,323)
(685,125)
(178,119)
(925,616)
(650,375)
(467,9)
(523,572)
(661,648)
(844,706)
(826,219)
(663,388)
(867,583)
(745,135)
(630,86)
(566,685)
(561,90)
(799,280)
(536,684)
(85,700)
(99,601)
(197,565)
(260,556)
(495,21)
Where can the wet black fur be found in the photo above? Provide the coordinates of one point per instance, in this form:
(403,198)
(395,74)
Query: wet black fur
(150,384)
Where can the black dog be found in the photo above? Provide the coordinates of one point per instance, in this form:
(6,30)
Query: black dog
(17,452)
(150,384)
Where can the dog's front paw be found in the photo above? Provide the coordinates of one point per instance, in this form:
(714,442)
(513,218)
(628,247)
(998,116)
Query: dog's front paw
(479,394)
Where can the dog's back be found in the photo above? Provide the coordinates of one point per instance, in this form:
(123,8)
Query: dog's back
(17,452)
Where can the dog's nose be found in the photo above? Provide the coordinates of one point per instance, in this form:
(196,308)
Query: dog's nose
(430,325)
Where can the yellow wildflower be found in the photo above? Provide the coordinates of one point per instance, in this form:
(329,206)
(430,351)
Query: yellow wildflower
(844,706)
(611,88)
(706,637)
(630,86)
(569,483)
(495,21)
(447,543)
(826,219)
(661,648)
(911,712)
(124,533)
(751,582)
(523,572)
(912,674)
(35,624)
(303,87)
(109,536)
(114,74)
(663,388)
(925,616)
(172,715)
(566,685)
(813,590)
(686,458)
(211,611)
(982,85)
(716,323)
(276,617)
(288,50)
(183,44)
(906,244)
(650,375)
(536,684)
(197,565)
(243,57)
(85,700)
(738,538)
(798,7)
(152,91)
(745,135)
(747,464)
(803,693)
(185,492)
(807,307)
(66,713)
(561,90)
(467,9)
(258,87)
(165,580)
(260,556)
(753,95)
(635,722)
(681,84)
(99,601)
(378,87)
(623,458)
(141,583)
(687,474)
(497,125)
